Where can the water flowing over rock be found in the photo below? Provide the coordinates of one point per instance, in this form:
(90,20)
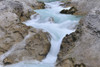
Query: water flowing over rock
(37,46)
(72,10)
(84,6)
(19,42)
(13,31)
(85,41)
(10,22)
(57,30)
(27,43)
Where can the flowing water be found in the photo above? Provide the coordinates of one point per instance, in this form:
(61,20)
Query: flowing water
(56,24)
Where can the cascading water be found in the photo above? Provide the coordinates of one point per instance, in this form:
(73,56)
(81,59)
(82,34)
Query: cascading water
(57,25)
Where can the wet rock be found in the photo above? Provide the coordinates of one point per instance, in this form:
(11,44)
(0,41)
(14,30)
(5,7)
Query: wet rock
(72,10)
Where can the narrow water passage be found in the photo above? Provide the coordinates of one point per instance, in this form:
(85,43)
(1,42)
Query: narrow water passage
(57,25)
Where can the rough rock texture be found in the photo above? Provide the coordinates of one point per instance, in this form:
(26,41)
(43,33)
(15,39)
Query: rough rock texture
(86,42)
(37,47)
(10,23)
(85,6)
(23,8)
(69,62)
(67,45)
(66,63)
(13,31)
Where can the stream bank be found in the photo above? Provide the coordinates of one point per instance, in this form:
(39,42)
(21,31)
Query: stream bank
(85,41)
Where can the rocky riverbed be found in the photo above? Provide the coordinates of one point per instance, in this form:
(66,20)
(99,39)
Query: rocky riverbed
(79,49)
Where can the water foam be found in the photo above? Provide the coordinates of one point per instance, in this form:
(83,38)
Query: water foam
(60,26)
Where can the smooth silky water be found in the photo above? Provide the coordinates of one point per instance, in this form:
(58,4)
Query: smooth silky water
(56,24)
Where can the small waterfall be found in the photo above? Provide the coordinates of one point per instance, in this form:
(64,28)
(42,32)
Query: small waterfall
(60,26)
(51,21)
(57,32)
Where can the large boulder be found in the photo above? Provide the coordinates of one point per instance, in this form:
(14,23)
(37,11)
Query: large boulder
(86,42)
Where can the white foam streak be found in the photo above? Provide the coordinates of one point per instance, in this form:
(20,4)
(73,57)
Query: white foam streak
(17,46)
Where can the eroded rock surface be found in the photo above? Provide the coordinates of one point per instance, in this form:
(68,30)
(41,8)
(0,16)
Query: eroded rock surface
(13,32)
(85,40)
(85,6)
(36,47)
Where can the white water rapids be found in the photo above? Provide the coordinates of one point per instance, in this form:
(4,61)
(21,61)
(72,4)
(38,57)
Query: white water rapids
(56,24)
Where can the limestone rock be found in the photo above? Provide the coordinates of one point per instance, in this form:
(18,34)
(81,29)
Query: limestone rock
(66,4)
(85,6)
(37,47)
(66,63)
(23,8)
(85,40)
(40,5)
(11,6)
(13,32)
(86,45)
